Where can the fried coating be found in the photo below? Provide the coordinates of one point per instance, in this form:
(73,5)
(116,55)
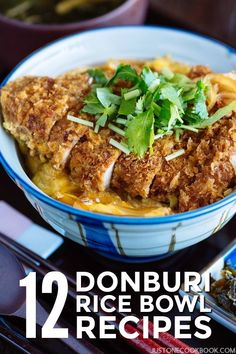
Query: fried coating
(92,161)
(135,175)
(32,106)
(64,136)
(204,173)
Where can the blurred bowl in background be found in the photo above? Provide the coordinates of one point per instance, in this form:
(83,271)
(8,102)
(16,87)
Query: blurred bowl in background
(18,39)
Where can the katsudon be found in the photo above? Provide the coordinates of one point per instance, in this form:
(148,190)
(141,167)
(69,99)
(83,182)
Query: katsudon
(128,137)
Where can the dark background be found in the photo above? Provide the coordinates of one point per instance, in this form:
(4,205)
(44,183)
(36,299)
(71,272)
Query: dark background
(215,18)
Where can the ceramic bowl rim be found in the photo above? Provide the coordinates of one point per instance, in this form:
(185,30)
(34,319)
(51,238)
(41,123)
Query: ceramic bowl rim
(113,218)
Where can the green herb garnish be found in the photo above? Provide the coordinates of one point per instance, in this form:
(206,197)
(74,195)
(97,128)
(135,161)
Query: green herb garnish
(148,106)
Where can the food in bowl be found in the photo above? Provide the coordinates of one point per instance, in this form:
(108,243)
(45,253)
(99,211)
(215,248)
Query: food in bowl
(56,12)
(127,138)
(224,289)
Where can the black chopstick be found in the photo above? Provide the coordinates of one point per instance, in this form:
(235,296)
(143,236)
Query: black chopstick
(39,265)
(43,267)
(18,342)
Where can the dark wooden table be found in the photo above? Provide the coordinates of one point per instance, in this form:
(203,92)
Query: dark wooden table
(71,257)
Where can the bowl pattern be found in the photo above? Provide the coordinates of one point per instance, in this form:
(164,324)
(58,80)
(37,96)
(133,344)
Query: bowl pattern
(133,242)
(121,241)
(122,238)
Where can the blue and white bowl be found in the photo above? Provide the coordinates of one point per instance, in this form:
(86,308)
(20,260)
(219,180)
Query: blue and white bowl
(125,238)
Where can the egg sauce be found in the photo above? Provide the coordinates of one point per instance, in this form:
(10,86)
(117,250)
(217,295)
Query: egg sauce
(58,185)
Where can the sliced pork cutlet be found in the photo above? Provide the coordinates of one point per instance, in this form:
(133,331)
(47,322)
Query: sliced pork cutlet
(32,105)
(135,175)
(92,161)
(204,173)
(216,175)
(64,136)
(77,84)
(16,102)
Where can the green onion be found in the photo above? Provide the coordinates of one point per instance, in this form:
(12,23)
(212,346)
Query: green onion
(132,94)
(158,136)
(177,134)
(80,121)
(161,135)
(96,129)
(220,113)
(120,146)
(188,127)
(116,129)
(121,121)
(175,154)
(167,73)
(102,120)
(153,86)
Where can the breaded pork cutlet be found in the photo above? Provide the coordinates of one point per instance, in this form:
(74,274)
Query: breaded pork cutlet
(199,177)
(92,161)
(204,173)
(66,134)
(37,114)
(32,106)
(134,175)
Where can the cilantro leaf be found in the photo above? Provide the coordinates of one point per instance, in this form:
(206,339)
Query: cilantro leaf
(93,108)
(164,115)
(200,101)
(102,120)
(148,76)
(91,98)
(127,107)
(150,103)
(168,92)
(189,95)
(140,132)
(98,75)
(126,73)
(140,105)
(181,80)
(106,97)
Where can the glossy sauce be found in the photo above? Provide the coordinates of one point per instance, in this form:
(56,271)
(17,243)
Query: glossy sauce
(58,185)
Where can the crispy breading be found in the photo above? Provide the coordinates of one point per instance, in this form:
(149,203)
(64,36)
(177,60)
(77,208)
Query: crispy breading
(35,106)
(64,136)
(204,173)
(32,106)
(135,175)
(92,161)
